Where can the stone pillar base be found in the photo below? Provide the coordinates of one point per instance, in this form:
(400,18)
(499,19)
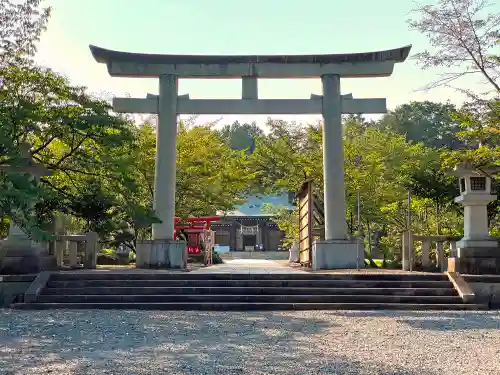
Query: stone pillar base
(161,254)
(476,261)
(475,266)
(336,254)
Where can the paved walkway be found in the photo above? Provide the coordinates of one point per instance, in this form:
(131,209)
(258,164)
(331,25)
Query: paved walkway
(249,266)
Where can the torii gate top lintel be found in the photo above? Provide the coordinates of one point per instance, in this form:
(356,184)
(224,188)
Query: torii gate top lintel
(368,64)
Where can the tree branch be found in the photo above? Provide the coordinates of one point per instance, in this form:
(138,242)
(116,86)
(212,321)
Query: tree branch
(44,145)
(72,151)
(44,180)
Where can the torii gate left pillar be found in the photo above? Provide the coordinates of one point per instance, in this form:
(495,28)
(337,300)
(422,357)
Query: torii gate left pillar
(337,251)
(165,162)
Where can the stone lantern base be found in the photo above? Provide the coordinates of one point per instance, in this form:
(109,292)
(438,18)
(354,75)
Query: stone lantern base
(476,260)
(24,257)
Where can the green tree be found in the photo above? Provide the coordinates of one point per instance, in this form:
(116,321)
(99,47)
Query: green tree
(288,155)
(427,122)
(70,131)
(22,23)
(288,223)
(480,122)
(210,175)
(241,136)
(434,187)
(20,28)
(377,164)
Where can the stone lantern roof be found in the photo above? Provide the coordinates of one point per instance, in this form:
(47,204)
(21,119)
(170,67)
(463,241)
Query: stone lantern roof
(467,168)
(26,163)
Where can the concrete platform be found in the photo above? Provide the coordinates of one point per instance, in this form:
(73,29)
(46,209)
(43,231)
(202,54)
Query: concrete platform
(267,255)
(250,266)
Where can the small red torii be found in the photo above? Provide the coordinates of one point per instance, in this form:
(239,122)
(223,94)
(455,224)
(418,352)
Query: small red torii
(197,230)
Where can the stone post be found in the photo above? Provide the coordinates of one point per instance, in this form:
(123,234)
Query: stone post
(91,250)
(440,255)
(73,254)
(406,257)
(249,87)
(426,247)
(60,246)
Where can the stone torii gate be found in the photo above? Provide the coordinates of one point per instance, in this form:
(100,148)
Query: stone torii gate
(336,251)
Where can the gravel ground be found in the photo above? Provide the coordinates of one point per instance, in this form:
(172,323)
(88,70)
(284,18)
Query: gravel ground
(307,342)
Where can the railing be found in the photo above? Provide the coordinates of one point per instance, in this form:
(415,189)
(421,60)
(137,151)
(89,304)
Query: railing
(409,254)
(70,245)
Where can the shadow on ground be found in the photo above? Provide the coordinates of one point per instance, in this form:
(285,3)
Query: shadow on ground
(112,342)
(434,320)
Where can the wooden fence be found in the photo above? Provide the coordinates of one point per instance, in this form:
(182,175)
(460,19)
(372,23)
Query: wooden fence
(311,221)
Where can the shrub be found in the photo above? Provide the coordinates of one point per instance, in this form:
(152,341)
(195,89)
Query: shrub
(216,258)
(104,259)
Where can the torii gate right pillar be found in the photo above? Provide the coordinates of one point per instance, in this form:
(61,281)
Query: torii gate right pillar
(333,160)
(336,251)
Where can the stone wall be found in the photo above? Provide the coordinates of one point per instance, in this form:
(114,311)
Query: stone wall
(486,288)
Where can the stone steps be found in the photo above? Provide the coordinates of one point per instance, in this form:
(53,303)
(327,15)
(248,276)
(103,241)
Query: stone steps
(122,291)
(280,298)
(250,283)
(291,276)
(248,306)
(247,291)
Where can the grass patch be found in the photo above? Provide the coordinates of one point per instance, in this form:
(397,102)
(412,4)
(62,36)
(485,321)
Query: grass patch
(388,265)
(131,265)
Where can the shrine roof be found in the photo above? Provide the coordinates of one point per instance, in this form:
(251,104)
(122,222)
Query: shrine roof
(254,206)
(103,55)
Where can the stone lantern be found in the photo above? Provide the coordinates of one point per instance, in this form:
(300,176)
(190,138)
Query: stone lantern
(477,252)
(21,254)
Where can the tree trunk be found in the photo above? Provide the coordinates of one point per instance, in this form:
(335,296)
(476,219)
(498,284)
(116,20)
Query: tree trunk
(370,260)
(438,224)
(368,231)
